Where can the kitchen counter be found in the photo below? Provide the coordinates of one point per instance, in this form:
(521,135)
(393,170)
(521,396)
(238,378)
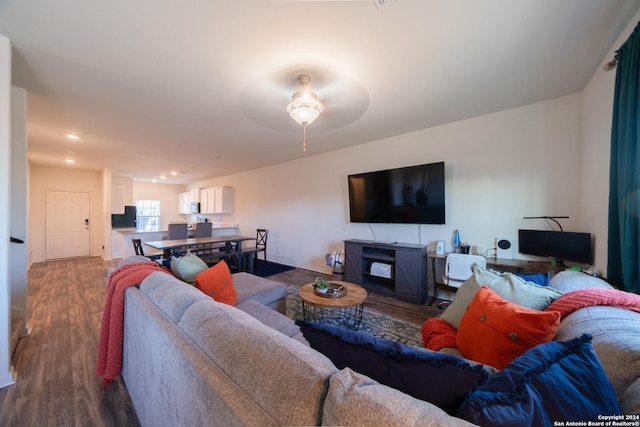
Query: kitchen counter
(214,225)
(122,247)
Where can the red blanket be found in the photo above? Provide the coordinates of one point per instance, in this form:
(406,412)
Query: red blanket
(438,334)
(109,360)
(574,300)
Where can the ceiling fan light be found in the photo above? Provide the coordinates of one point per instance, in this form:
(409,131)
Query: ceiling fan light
(304,107)
(304,115)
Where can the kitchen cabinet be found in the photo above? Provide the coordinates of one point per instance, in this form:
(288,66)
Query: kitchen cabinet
(194,195)
(206,206)
(185,199)
(216,200)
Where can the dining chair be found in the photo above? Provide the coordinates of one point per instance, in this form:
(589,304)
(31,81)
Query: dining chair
(177,231)
(261,243)
(260,246)
(137,247)
(203,229)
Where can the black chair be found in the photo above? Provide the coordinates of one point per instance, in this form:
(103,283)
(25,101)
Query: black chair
(261,242)
(249,254)
(137,246)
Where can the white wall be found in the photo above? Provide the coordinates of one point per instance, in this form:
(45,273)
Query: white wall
(597,111)
(6,377)
(44,179)
(498,168)
(128,188)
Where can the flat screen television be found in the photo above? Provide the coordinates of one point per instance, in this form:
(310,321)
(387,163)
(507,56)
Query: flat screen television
(408,195)
(559,245)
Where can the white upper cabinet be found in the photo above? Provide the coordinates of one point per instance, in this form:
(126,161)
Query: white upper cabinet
(184,203)
(185,199)
(216,200)
(207,201)
(194,195)
(223,200)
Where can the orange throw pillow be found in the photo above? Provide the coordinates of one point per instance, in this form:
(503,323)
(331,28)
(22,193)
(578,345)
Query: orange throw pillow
(218,284)
(494,331)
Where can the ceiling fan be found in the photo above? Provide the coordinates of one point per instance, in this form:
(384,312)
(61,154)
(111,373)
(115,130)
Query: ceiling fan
(265,99)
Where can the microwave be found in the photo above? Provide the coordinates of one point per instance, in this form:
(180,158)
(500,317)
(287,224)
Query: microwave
(194,207)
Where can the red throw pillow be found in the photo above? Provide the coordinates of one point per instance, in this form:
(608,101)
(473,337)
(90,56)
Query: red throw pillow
(494,331)
(218,283)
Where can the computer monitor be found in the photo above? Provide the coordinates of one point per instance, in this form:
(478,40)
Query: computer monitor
(559,245)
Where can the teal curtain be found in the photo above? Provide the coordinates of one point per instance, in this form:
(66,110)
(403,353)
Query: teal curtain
(623,268)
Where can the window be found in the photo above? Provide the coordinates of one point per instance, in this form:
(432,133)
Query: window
(148,215)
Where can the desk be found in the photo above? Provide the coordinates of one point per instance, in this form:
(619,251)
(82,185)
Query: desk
(226,246)
(502,264)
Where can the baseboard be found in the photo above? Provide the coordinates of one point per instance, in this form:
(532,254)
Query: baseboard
(9,378)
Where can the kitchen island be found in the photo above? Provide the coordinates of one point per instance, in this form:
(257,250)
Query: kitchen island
(121,246)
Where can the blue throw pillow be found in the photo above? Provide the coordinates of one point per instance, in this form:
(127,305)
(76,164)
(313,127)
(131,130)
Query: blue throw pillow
(442,379)
(541,279)
(555,381)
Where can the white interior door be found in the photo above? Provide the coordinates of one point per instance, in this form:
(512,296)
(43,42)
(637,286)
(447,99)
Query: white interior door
(67,225)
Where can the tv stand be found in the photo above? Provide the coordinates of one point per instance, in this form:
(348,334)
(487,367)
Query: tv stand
(406,263)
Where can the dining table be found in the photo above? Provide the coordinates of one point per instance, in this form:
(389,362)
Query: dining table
(215,246)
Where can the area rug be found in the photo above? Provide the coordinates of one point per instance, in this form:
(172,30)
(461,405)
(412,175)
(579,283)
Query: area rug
(375,323)
(264,269)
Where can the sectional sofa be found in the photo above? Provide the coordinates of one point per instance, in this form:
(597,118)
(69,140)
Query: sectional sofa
(189,360)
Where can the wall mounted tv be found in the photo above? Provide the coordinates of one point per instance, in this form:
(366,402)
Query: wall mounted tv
(559,245)
(408,195)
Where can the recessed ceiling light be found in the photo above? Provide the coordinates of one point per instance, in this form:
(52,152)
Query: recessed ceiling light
(70,161)
(163,177)
(71,136)
(154,180)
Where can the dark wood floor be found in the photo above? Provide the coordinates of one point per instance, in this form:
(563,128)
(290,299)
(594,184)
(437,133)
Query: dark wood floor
(55,364)
(415,313)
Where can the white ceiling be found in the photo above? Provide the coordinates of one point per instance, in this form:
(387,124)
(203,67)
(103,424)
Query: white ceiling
(201,86)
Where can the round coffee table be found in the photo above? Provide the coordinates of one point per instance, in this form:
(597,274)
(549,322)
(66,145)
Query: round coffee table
(345,311)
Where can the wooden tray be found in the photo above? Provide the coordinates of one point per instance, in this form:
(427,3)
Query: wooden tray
(334,291)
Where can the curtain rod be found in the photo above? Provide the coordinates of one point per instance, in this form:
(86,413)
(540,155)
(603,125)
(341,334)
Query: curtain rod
(611,64)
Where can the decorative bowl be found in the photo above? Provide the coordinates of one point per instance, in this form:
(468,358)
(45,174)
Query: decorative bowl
(333,291)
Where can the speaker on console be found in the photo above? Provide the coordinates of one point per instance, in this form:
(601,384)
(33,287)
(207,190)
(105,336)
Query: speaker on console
(504,248)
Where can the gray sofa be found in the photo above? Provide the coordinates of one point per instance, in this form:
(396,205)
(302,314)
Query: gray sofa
(188,361)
